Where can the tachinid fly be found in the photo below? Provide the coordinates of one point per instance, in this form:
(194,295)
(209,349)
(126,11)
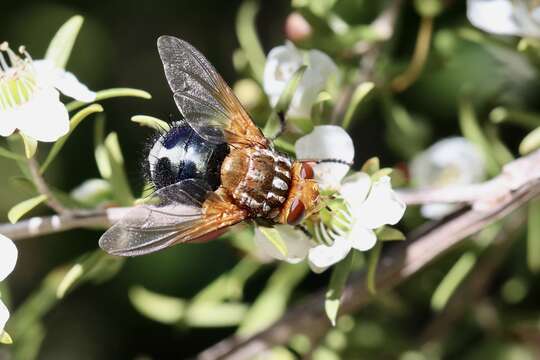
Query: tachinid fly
(211,170)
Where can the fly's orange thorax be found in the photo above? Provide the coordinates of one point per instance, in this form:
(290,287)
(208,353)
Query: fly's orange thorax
(258,179)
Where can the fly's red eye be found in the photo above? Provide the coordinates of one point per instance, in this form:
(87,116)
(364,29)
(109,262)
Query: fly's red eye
(307,171)
(296,212)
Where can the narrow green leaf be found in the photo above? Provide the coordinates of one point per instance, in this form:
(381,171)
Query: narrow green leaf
(118,178)
(473,132)
(275,238)
(214,314)
(373,261)
(30,145)
(500,151)
(272,301)
(151,122)
(533,237)
(340,273)
(62,43)
(229,286)
(95,266)
(74,122)
(16,146)
(525,119)
(359,95)
(371,166)
(452,279)
(273,124)
(5,338)
(388,233)
(247,37)
(11,155)
(17,211)
(530,142)
(158,307)
(109,94)
(100,153)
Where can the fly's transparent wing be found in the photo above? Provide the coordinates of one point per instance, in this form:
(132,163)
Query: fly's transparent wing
(185,212)
(203,97)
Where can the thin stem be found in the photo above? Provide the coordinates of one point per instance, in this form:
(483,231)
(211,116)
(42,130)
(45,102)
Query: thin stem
(43,188)
(421,51)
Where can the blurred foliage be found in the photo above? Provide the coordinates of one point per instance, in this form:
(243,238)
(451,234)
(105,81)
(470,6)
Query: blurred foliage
(175,303)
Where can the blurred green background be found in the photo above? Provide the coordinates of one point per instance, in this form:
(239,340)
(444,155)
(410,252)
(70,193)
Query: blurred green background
(116,47)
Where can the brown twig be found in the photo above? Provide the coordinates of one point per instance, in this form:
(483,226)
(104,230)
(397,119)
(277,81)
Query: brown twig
(396,266)
(43,188)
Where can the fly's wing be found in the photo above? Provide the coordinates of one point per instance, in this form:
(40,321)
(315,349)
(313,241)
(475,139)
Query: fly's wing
(203,97)
(187,211)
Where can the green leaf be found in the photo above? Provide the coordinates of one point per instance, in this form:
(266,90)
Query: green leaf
(74,122)
(359,95)
(30,145)
(533,237)
(160,308)
(248,39)
(473,132)
(525,119)
(11,155)
(273,124)
(530,142)
(214,314)
(340,273)
(62,43)
(5,338)
(229,286)
(100,152)
(151,122)
(272,301)
(388,233)
(17,211)
(452,279)
(500,151)
(373,261)
(371,166)
(95,266)
(109,94)
(275,238)
(118,178)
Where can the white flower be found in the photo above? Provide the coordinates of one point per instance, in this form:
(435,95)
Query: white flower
(8,258)
(448,162)
(360,206)
(283,62)
(29,97)
(505,17)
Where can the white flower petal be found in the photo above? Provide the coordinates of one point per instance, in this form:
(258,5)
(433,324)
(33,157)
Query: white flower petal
(327,142)
(494,16)
(69,85)
(382,206)
(322,257)
(281,64)
(8,121)
(355,189)
(64,81)
(451,161)
(296,241)
(4,316)
(8,256)
(44,117)
(437,211)
(361,238)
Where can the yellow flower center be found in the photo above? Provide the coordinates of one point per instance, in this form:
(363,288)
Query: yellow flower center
(17,77)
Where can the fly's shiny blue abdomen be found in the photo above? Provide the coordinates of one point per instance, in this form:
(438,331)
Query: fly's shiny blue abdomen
(181,154)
